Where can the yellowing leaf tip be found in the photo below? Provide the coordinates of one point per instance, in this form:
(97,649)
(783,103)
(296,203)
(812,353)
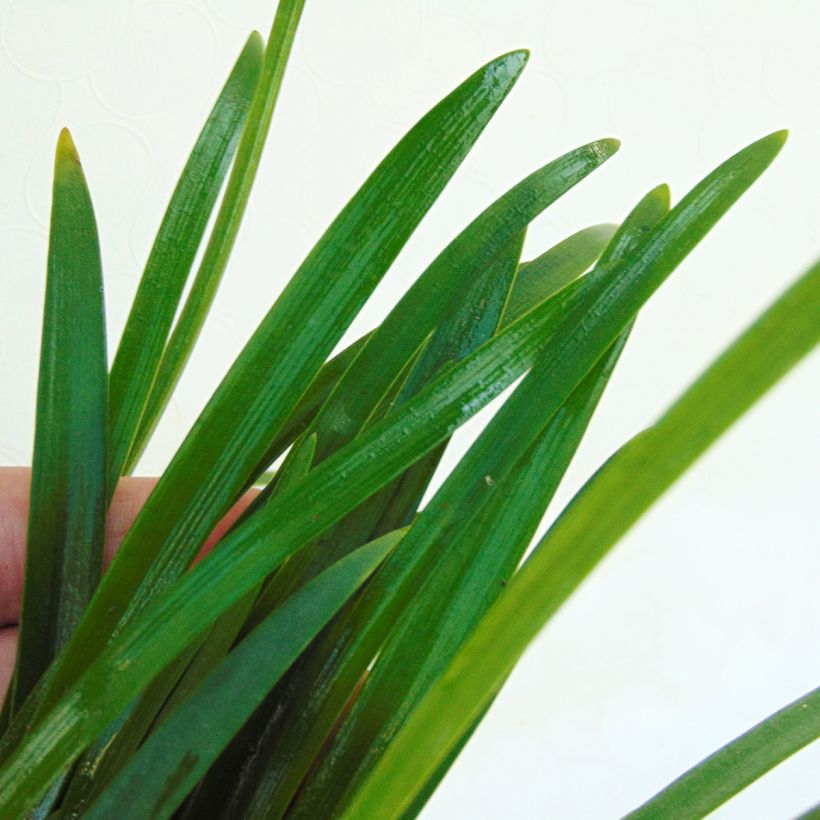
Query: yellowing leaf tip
(66,149)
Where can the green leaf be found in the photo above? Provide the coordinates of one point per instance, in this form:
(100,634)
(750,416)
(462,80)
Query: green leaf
(457,277)
(228,219)
(168,765)
(172,255)
(738,764)
(556,268)
(626,486)
(607,299)
(284,354)
(281,748)
(103,761)
(66,531)
(248,554)
(434,596)
(441,287)
(552,270)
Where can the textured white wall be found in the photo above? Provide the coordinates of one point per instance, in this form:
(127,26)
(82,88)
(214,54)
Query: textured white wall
(706,617)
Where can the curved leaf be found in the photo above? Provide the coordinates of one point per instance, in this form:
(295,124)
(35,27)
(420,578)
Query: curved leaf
(626,486)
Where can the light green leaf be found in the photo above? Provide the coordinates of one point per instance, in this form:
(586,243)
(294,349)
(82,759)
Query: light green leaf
(738,764)
(626,486)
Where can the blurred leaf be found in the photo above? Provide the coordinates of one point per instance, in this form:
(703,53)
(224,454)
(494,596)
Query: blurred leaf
(626,486)
(172,255)
(738,764)
(66,530)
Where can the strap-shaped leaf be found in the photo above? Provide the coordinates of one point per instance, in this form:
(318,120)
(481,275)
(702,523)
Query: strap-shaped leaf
(435,301)
(219,454)
(177,617)
(111,752)
(228,219)
(555,268)
(444,283)
(626,486)
(436,594)
(283,750)
(66,528)
(738,764)
(165,769)
(172,255)
(607,301)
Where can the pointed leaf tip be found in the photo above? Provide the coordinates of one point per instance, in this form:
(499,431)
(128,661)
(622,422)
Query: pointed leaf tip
(773,142)
(66,148)
(508,66)
(255,43)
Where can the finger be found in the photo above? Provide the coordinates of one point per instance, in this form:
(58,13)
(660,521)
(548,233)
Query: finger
(8,649)
(129,497)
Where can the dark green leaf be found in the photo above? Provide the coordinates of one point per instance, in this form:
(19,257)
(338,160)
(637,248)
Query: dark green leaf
(159,776)
(66,530)
(436,596)
(228,218)
(545,275)
(606,300)
(284,354)
(172,255)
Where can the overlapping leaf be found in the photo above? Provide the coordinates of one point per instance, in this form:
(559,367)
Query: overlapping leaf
(606,302)
(172,255)
(625,486)
(278,363)
(159,776)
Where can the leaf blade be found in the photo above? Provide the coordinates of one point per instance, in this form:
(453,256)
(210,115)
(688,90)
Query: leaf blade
(723,774)
(228,219)
(785,333)
(345,479)
(183,507)
(172,255)
(168,765)
(67,505)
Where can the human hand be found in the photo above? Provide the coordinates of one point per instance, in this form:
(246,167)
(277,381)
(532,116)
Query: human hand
(129,497)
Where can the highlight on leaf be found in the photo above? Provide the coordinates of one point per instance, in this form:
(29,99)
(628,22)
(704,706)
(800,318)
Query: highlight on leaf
(336,650)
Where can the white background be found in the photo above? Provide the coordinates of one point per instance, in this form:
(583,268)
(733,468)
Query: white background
(706,617)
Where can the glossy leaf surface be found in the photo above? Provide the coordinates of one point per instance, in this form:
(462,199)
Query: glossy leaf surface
(66,531)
